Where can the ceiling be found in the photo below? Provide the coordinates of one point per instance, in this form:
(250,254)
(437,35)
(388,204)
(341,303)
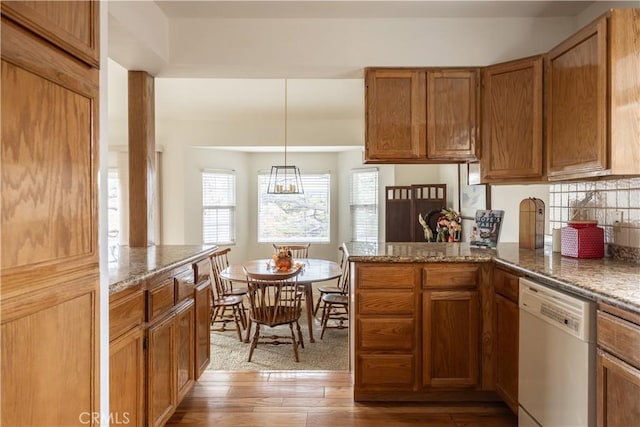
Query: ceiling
(228,60)
(368,9)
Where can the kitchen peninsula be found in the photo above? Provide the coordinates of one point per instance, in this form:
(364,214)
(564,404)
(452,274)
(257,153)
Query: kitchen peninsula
(159,307)
(439,321)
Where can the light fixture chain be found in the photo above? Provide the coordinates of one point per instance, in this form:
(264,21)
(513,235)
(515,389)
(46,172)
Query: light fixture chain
(285,121)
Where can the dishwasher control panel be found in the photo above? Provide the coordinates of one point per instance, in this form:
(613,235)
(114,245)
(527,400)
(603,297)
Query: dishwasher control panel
(569,313)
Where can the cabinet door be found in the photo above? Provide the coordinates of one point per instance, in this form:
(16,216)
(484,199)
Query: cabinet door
(450,339)
(618,392)
(506,350)
(452,97)
(126,379)
(71,25)
(50,295)
(512,121)
(576,116)
(202,335)
(395,114)
(161,371)
(185,362)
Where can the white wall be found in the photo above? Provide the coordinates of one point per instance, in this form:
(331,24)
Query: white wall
(508,198)
(340,48)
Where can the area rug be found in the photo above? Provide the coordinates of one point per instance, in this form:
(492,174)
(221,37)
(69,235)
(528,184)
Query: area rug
(327,354)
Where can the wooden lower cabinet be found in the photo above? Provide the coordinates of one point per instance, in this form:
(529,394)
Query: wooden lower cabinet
(126,372)
(618,392)
(126,357)
(202,336)
(505,339)
(418,332)
(386,330)
(506,353)
(618,368)
(450,339)
(450,326)
(185,349)
(159,332)
(161,371)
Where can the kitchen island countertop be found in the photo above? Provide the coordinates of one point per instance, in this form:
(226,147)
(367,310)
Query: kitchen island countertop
(611,281)
(129,266)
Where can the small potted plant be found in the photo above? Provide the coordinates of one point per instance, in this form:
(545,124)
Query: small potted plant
(449,226)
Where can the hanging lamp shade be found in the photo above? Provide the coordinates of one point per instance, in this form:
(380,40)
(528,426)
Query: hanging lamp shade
(285,179)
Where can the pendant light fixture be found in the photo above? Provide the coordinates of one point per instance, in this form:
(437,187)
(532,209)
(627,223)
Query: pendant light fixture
(285,179)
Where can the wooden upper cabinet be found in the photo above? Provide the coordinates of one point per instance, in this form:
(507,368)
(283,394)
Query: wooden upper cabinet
(70,25)
(593,121)
(421,115)
(395,114)
(452,122)
(512,147)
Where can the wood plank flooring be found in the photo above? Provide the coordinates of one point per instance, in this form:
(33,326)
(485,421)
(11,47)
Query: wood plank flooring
(314,399)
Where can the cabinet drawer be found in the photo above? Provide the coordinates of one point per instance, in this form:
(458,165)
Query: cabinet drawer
(386,276)
(619,337)
(388,370)
(184,285)
(386,302)
(125,313)
(160,298)
(386,334)
(506,284)
(201,270)
(450,276)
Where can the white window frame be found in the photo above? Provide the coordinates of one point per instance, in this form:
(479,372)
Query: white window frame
(114,207)
(225,206)
(267,232)
(361,207)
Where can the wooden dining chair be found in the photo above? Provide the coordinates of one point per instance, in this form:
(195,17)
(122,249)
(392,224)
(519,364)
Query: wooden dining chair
(221,260)
(336,306)
(221,302)
(337,288)
(274,301)
(297,251)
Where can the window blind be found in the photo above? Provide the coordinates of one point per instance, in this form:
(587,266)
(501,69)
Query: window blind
(218,207)
(364,205)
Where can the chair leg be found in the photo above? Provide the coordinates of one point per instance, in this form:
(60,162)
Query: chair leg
(294,343)
(248,330)
(243,315)
(237,319)
(215,313)
(254,342)
(300,339)
(324,311)
(325,318)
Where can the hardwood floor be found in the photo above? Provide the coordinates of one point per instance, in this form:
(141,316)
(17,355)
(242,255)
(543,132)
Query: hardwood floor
(315,398)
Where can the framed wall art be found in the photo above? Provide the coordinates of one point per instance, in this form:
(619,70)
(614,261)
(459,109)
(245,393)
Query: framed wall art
(471,199)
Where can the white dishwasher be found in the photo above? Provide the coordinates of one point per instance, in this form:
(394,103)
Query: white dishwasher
(556,362)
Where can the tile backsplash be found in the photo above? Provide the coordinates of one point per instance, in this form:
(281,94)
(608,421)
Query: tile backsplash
(603,201)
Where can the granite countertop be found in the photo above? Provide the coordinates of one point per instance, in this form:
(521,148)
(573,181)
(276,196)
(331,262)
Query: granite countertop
(129,266)
(607,280)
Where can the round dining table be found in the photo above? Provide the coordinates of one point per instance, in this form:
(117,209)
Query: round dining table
(313,270)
